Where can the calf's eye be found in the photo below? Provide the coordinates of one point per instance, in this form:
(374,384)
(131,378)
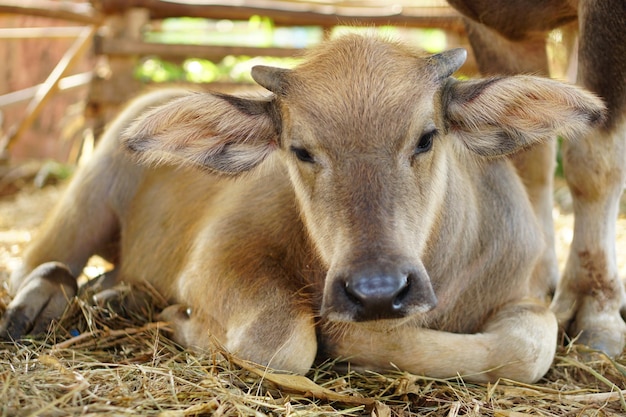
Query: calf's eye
(302,154)
(426,142)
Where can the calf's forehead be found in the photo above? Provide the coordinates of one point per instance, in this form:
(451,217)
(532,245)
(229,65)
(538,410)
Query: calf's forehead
(362,85)
(358,56)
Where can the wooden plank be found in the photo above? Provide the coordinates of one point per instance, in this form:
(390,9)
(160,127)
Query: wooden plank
(109,46)
(40,32)
(103,96)
(73,12)
(44,93)
(289,13)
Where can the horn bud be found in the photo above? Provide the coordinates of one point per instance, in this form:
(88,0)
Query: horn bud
(272,78)
(447,62)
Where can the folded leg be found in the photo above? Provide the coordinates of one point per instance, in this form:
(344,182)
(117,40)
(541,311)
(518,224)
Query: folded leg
(518,342)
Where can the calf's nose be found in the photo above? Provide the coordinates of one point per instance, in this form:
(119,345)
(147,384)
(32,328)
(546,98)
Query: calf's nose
(378,296)
(381,294)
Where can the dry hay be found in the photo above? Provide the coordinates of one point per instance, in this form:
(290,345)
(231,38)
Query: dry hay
(98,360)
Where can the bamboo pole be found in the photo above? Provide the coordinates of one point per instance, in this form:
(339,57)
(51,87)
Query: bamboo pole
(67,83)
(123,47)
(46,90)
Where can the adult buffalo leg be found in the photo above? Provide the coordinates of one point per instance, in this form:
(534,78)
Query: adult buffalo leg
(497,55)
(591,293)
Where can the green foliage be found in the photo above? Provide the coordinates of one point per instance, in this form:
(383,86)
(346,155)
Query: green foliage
(159,71)
(51,172)
(200,71)
(230,69)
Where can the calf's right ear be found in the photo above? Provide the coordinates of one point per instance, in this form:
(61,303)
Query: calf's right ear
(222,133)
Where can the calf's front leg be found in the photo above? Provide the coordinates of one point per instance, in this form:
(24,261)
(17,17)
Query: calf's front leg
(272,336)
(518,342)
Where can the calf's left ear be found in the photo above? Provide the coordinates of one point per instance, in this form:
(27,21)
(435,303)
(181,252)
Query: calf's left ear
(222,133)
(499,116)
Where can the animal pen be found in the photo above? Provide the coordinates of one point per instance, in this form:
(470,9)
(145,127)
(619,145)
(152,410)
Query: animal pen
(99,360)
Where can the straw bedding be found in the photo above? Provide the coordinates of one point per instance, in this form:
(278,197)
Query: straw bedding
(99,360)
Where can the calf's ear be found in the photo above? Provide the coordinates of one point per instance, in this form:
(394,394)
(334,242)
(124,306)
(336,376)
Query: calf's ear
(500,116)
(221,133)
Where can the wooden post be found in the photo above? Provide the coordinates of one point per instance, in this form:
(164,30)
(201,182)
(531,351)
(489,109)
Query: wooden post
(114,83)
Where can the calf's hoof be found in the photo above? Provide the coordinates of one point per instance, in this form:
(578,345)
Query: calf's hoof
(176,313)
(604,341)
(126,300)
(42,298)
(179,318)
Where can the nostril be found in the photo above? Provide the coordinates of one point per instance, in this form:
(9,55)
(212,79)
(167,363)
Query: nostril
(398,301)
(352,296)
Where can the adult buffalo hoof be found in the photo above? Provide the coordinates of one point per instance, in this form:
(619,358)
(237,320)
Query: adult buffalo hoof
(591,323)
(602,332)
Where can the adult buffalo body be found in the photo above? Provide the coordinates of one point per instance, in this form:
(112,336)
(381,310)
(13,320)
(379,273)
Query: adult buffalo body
(509,37)
(365,209)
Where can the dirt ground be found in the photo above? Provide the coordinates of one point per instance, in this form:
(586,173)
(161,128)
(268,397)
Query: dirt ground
(20,216)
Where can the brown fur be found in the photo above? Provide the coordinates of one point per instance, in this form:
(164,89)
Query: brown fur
(347,193)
